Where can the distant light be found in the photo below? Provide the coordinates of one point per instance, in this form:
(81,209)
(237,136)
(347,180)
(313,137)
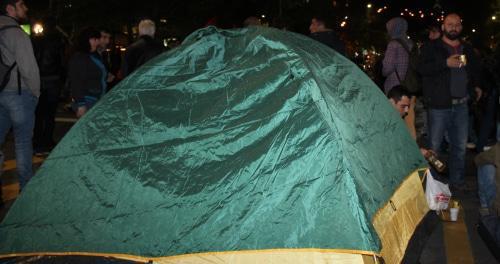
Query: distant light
(402,14)
(432,14)
(493,18)
(380,10)
(37,29)
(385,7)
(123,49)
(369,5)
(408,37)
(473,30)
(263,16)
(346,17)
(163,20)
(343,24)
(422,15)
(406,9)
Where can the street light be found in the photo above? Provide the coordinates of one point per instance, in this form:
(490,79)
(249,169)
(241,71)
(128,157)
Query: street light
(37,29)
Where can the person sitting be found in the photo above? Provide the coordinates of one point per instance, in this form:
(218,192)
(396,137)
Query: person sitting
(400,99)
(488,178)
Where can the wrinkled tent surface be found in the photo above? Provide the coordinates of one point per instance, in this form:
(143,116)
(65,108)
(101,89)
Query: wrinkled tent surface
(247,139)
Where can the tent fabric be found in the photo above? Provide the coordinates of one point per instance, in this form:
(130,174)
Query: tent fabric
(238,140)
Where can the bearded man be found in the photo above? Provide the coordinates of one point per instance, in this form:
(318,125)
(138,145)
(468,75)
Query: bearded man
(450,78)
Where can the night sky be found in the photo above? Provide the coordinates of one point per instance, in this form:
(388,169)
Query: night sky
(188,15)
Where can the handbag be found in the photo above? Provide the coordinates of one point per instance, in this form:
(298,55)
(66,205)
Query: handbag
(437,193)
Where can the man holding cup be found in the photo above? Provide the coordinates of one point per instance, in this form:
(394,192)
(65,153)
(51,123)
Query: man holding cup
(450,78)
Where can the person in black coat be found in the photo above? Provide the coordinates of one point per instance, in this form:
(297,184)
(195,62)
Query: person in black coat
(143,50)
(321,31)
(87,75)
(49,53)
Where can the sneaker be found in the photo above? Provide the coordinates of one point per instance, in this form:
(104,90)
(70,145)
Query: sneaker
(470,145)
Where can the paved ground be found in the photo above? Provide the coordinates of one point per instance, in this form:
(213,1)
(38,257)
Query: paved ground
(442,247)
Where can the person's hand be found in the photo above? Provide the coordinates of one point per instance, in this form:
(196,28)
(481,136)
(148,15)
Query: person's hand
(111,77)
(479,93)
(454,61)
(426,152)
(81,111)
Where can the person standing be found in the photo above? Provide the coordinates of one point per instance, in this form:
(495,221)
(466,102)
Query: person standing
(396,56)
(321,31)
(19,98)
(396,63)
(49,53)
(143,50)
(87,74)
(450,77)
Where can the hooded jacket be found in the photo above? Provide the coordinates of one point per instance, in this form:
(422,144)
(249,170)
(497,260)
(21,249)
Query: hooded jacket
(16,47)
(396,58)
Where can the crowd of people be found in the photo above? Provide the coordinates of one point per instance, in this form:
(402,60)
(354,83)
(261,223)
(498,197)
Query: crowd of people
(38,72)
(445,89)
(455,89)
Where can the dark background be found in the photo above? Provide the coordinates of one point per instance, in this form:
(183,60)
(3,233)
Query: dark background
(365,27)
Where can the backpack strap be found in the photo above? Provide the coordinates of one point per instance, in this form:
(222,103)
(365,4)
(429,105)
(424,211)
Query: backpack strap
(404,44)
(15,63)
(9,26)
(407,49)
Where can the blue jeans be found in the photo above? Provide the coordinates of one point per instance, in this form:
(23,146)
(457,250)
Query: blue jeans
(18,111)
(486,184)
(454,121)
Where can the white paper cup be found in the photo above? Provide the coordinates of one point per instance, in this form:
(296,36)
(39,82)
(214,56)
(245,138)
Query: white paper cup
(453,214)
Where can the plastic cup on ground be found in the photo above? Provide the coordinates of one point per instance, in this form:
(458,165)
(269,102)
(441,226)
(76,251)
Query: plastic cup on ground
(454,214)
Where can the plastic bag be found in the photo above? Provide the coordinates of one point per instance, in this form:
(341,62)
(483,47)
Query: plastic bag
(437,193)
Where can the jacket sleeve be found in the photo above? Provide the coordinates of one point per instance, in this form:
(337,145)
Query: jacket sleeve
(77,79)
(487,157)
(430,63)
(25,59)
(124,69)
(475,68)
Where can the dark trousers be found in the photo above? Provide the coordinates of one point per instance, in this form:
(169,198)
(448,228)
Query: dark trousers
(487,122)
(45,115)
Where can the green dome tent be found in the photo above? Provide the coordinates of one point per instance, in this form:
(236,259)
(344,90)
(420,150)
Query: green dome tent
(241,146)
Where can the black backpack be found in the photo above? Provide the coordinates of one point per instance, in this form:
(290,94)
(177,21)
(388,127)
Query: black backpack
(411,81)
(5,70)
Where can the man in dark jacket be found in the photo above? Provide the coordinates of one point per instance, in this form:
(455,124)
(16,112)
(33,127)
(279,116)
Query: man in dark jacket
(450,77)
(49,53)
(321,31)
(144,49)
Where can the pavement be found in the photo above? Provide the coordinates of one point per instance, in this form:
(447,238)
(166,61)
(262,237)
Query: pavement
(450,242)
